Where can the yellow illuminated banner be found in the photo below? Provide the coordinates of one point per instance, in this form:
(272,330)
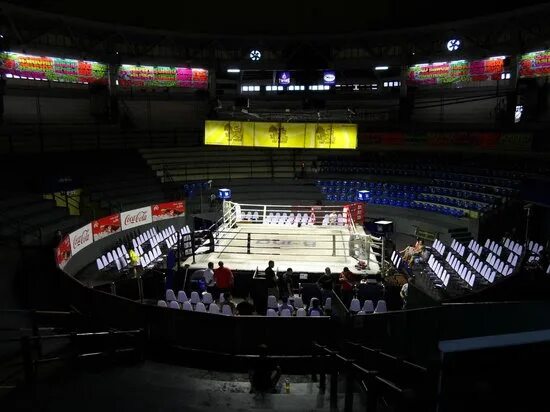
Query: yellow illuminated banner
(344,136)
(226,133)
(293,135)
(285,135)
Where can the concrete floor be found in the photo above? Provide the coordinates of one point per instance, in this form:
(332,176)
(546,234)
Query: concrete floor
(151,387)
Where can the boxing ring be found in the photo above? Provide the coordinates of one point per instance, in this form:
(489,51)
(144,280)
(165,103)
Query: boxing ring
(305,238)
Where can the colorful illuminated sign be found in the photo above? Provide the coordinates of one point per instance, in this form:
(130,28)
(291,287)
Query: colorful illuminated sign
(284,135)
(456,71)
(535,64)
(156,76)
(283,78)
(329,77)
(24,66)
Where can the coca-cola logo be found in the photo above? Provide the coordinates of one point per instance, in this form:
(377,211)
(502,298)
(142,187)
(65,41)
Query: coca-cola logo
(133,219)
(82,238)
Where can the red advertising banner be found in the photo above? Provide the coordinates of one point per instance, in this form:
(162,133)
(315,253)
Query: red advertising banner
(357,212)
(63,252)
(105,226)
(168,210)
(535,64)
(456,71)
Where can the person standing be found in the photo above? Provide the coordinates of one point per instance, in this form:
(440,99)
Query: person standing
(224,278)
(404,293)
(285,284)
(271,280)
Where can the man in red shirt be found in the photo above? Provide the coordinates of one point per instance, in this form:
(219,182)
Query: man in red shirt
(223,278)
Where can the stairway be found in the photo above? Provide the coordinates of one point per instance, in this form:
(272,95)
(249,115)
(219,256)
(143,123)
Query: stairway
(461,234)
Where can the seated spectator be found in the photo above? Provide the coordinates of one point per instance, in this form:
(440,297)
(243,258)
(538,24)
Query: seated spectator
(332,218)
(229,302)
(264,374)
(315,307)
(286,305)
(245,308)
(411,251)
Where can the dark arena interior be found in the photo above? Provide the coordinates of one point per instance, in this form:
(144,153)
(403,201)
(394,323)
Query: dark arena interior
(276,207)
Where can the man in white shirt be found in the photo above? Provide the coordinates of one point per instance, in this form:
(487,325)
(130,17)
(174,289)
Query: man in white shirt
(207,275)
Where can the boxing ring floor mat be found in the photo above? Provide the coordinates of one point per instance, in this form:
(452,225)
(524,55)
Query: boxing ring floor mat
(308,249)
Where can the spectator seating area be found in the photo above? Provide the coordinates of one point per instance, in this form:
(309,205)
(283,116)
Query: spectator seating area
(367,307)
(413,196)
(33,220)
(501,182)
(182,164)
(126,184)
(151,246)
(296,307)
(198,303)
(457,267)
(292,219)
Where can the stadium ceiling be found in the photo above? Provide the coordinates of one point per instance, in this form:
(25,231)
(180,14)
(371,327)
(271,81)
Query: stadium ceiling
(305,36)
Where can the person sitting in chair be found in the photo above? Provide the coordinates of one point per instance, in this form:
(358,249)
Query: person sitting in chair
(411,251)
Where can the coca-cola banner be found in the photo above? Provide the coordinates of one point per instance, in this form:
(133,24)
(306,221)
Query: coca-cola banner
(136,217)
(63,252)
(105,226)
(168,210)
(81,238)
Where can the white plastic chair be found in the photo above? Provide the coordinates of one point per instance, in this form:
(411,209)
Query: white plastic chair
(182,296)
(328,303)
(207,298)
(285,313)
(99,264)
(381,307)
(355,305)
(226,310)
(174,305)
(162,304)
(298,303)
(271,313)
(195,299)
(301,312)
(272,302)
(187,306)
(214,308)
(170,296)
(200,307)
(368,306)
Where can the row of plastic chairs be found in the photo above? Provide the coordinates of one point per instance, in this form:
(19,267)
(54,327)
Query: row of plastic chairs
(396,259)
(402,170)
(493,247)
(439,270)
(515,247)
(162,235)
(213,308)
(250,216)
(475,247)
(285,313)
(446,210)
(144,237)
(460,269)
(368,307)
(534,247)
(284,219)
(458,247)
(439,246)
(464,204)
(464,194)
(118,256)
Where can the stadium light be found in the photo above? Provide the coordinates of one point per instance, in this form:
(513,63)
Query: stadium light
(255,55)
(381,68)
(233,70)
(453,45)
